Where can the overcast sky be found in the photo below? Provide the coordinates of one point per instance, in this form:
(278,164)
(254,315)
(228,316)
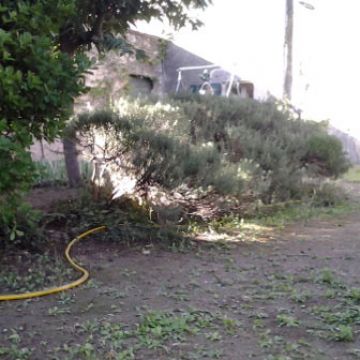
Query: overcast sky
(248,35)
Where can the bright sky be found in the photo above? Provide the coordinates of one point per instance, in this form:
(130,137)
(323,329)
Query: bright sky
(248,35)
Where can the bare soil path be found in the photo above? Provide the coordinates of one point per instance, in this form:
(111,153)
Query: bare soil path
(294,296)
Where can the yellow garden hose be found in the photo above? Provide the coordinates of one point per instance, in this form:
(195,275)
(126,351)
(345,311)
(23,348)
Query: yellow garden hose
(71,285)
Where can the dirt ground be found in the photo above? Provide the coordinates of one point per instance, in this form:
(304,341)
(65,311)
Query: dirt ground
(293,295)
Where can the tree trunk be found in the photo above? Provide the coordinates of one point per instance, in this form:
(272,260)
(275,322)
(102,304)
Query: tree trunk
(288,49)
(69,140)
(71,160)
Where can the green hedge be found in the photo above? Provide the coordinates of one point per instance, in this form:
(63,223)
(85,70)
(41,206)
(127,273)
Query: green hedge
(230,145)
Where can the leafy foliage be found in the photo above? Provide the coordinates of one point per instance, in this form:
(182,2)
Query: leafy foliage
(37,81)
(323,153)
(96,22)
(227,145)
(163,155)
(284,147)
(16,174)
(37,86)
(16,167)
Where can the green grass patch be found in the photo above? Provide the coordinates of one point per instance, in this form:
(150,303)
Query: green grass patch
(302,212)
(54,172)
(343,333)
(281,215)
(353,174)
(287,320)
(156,331)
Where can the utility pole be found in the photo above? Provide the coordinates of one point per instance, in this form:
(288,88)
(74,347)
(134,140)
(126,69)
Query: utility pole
(288,50)
(288,46)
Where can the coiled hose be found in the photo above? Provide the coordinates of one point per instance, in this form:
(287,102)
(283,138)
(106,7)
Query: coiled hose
(55,290)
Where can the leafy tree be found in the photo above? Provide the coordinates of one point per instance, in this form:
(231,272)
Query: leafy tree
(41,69)
(37,85)
(37,80)
(104,23)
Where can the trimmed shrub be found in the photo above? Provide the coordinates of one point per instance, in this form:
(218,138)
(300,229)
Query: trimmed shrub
(322,152)
(227,145)
(156,156)
(285,147)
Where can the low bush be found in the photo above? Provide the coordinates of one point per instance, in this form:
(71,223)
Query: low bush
(17,173)
(322,152)
(327,195)
(285,147)
(156,156)
(212,143)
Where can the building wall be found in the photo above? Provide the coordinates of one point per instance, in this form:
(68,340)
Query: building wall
(113,75)
(177,57)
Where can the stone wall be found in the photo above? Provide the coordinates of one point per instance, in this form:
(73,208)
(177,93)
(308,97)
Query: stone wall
(113,75)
